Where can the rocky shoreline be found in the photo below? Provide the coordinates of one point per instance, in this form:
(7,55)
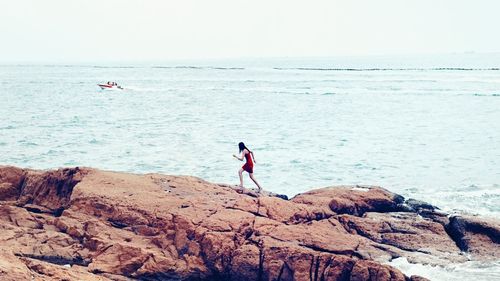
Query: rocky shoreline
(87,224)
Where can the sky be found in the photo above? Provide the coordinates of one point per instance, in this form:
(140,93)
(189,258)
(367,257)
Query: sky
(141,30)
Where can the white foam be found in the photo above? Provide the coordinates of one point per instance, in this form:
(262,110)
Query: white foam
(471,270)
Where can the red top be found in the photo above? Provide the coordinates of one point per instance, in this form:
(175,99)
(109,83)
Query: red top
(248,157)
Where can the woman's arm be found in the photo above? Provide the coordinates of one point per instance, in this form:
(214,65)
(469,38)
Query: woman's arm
(241,159)
(253,157)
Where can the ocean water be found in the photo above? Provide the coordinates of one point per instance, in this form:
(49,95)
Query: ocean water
(426,127)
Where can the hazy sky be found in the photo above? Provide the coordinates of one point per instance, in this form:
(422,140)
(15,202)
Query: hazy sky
(90,30)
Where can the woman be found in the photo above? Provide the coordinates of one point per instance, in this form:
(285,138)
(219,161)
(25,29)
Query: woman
(250,159)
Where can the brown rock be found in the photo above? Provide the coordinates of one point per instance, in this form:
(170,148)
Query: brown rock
(407,231)
(13,269)
(11,181)
(106,225)
(478,236)
(119,259)
(51,190)
(353,200)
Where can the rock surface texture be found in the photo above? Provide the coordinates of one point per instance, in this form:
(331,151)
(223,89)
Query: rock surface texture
(86,224)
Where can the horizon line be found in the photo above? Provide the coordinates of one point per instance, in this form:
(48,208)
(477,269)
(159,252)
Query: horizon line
(200,59)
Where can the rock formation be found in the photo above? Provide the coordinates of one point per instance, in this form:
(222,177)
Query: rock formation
(86,224)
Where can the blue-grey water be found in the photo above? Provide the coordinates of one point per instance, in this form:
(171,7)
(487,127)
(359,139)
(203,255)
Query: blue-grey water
(426,127)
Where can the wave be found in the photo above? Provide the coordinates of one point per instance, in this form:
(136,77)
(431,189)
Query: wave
(101,66)
(126,66)
(470,270)
(70,66)
(390,69)
(78,66)
(198,67)
(229,68)
(178,67)
(486,95)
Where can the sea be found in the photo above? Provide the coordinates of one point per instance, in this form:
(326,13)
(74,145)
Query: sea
(424,126)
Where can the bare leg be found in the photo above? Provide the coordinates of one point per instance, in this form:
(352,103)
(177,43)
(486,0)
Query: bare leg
(255,181)
(240,173)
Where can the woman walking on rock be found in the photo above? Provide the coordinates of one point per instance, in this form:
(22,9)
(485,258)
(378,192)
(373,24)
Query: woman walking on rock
(247,154)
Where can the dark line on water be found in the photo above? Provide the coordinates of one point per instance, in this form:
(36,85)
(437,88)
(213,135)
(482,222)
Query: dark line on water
(391,69)
(198,67)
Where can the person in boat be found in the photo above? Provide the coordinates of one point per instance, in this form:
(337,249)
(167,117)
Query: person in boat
(248,155)
(109,83)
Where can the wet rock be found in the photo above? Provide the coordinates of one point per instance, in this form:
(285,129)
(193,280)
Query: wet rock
(417,205)
(418,278)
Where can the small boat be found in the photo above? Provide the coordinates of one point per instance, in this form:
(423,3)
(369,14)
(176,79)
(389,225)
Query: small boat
(110,86)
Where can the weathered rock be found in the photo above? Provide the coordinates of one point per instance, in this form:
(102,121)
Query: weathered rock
(11,181)
(255,192)
(50,190)
(12,268)
(86,224)
(477,236)
(353,200)
(405,231)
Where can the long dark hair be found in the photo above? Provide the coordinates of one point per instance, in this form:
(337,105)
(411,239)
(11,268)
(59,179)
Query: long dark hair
(242,146)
